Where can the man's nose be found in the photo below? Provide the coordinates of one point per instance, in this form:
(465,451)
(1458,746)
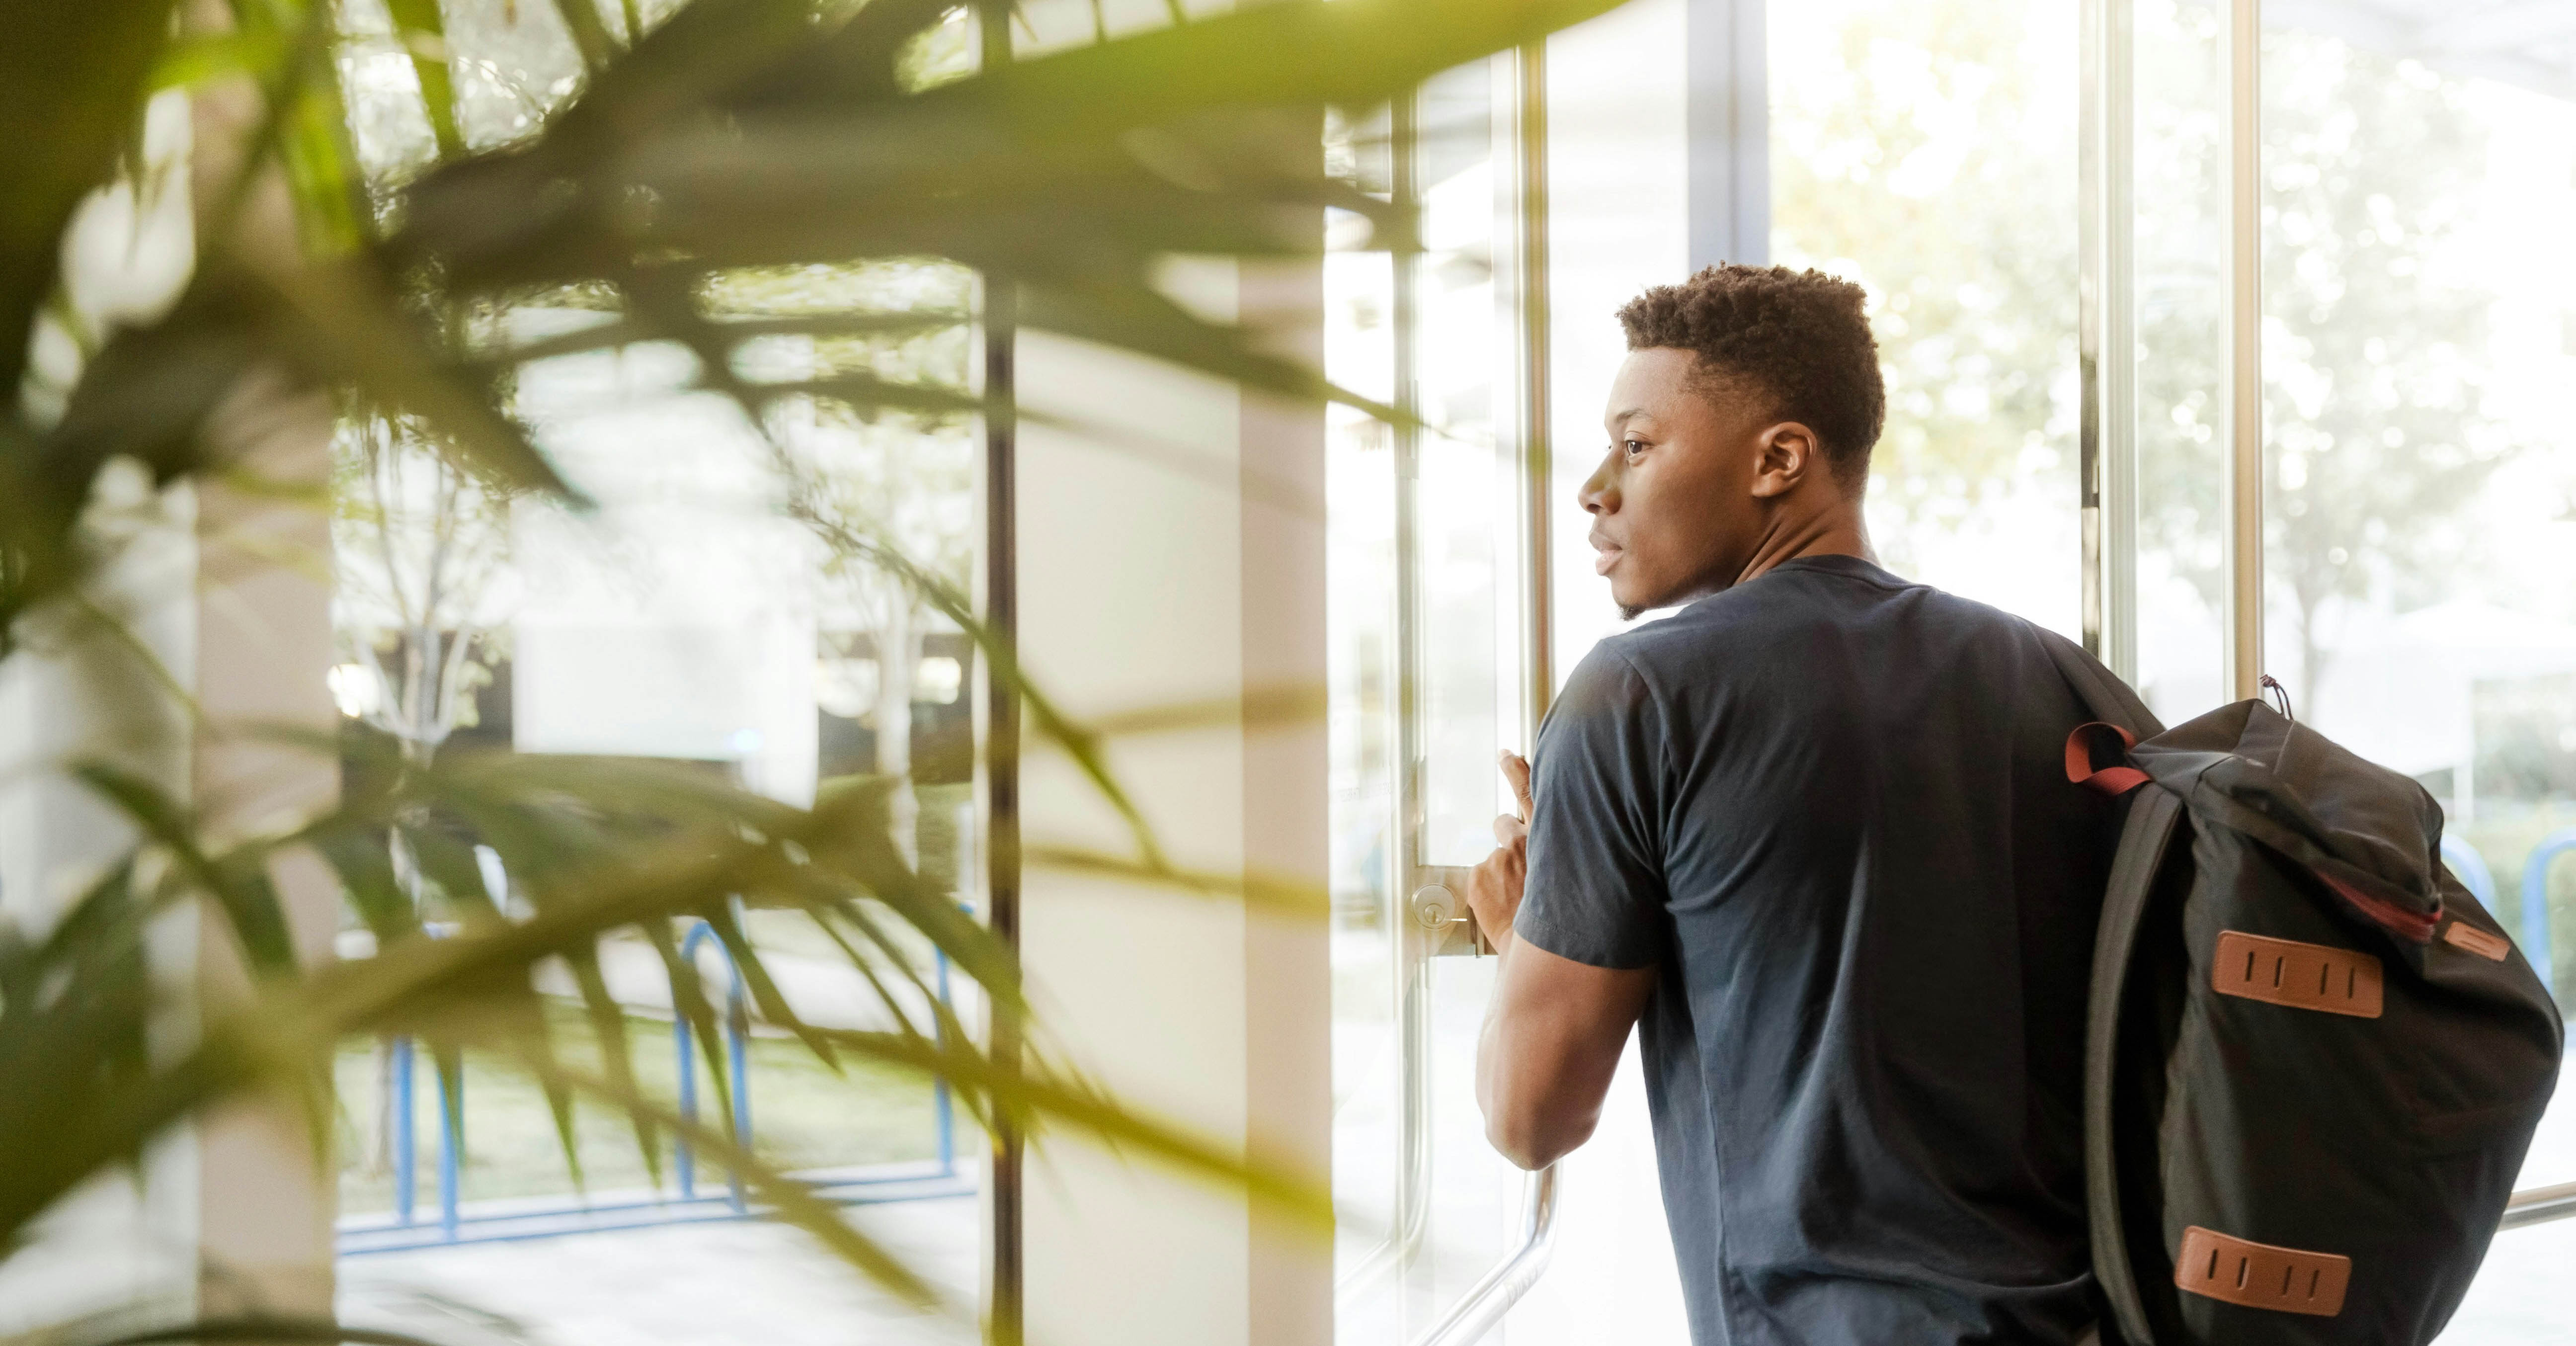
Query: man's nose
(1600,492)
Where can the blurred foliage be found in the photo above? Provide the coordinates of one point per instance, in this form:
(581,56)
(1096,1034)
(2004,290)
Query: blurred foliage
(2375,345)
(354,197)
(1923,151)
(2525,729)
(1928,152)
(2376,363)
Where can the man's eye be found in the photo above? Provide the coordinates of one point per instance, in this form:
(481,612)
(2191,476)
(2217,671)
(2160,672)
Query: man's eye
(1634,448)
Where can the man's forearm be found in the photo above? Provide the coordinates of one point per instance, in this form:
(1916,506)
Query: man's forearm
(1550,1045)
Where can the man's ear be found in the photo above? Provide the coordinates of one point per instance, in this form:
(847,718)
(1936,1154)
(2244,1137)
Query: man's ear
(1784,455)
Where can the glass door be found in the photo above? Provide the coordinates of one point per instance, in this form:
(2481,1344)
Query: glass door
(1431,677)
(2349,462)
(2419,478)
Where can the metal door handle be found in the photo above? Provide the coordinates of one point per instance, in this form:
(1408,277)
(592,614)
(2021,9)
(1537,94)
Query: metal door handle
(2539,1205)
(1439,907)
(1478,1310)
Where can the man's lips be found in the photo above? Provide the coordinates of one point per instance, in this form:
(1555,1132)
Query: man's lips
(1610,554)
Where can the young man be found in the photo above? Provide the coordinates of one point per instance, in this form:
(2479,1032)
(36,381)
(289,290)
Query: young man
(1815,829)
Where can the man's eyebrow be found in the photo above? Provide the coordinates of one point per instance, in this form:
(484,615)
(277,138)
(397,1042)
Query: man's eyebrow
(1632,413)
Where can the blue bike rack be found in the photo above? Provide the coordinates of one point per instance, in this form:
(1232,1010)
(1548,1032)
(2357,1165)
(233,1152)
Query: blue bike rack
(406,1147)
(406,1144)
(2535,903)
(891,1182)
(2465,861)
(737,1068)
(940,1106)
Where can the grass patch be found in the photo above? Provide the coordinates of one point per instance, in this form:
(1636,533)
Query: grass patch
(803,1115)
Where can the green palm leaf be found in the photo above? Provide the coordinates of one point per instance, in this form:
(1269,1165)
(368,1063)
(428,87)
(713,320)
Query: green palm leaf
(739,134)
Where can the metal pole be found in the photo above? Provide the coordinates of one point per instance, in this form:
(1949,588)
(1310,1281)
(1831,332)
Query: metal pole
(1005,1301)
(2107,335)
(943,1108)
(406,1156)
(2241,368)
(451,1111)
(1538,612)
(2539,1206)
(684,1160)
(738,1062)
(1413,951)
(1483,1306)
(1478,1311)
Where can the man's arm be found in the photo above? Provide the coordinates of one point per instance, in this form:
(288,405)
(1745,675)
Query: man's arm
(1556,1027)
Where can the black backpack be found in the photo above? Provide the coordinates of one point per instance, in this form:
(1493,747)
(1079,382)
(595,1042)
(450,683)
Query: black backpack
(2312,1062)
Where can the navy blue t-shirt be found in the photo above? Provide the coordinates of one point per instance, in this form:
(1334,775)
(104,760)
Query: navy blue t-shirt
(1831,807)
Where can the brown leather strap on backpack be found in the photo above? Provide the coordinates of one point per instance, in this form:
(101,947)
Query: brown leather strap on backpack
(2261,1275)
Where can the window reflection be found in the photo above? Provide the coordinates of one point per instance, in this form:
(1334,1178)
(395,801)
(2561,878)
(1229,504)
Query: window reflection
(2176,171)
(2419,521)
(1422,628)
(1927,152)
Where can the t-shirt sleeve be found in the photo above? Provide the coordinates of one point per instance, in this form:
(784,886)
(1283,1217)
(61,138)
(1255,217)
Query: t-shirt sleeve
(1596,873)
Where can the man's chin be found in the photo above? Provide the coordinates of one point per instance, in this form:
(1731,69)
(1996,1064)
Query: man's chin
(1632,602)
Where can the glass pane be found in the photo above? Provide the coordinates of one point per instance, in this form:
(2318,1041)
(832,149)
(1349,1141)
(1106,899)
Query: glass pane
(2175,190)
(1415,1232)
(2420,330)
(1469,633)
(682,621)
(1361,718)
(687,619)
(1926,152)
(1475,1193)
(1469,643)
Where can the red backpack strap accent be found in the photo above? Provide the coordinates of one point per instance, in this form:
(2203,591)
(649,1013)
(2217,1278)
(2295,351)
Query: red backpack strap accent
(2083,749)
(2397,920)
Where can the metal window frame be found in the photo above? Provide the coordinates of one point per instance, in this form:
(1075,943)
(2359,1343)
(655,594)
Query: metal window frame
(1727,117)
(1005,1303)
(2106,288)
(1524,198)
(2240,56)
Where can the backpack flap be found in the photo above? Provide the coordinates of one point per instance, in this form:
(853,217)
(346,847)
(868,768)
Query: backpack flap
(2369,834)
(2322,1062)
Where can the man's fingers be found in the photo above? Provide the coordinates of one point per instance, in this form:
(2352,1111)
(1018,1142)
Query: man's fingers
(1509,831)
(1516,769)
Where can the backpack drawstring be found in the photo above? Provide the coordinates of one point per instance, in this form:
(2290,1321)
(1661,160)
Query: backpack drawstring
(2273,685)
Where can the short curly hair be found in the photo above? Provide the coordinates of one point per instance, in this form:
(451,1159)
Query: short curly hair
(1801,338)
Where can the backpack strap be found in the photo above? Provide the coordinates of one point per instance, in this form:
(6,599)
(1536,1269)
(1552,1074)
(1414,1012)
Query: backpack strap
(2144,835)
(2149,829)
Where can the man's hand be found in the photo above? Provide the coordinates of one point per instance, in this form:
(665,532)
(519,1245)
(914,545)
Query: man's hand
(1494,886)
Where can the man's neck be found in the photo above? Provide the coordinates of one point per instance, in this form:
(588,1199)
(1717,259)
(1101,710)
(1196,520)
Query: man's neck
(1834,528)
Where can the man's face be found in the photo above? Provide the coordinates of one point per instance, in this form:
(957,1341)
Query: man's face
(1674,508)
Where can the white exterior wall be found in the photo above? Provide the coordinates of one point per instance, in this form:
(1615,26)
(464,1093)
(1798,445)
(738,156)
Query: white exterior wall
(1147,577)
(226,591)
(678,619)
